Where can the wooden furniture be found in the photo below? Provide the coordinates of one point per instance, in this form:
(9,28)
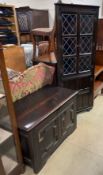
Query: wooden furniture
(9,33)
(76,27)
(15,58)
(98,83)
(10,150)
(43,32)
(45,118)
(29,19)
(45,49)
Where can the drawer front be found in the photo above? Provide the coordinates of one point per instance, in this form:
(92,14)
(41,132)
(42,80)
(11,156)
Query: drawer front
(52,131)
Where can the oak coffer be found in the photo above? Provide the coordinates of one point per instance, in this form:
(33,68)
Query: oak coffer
(45,118)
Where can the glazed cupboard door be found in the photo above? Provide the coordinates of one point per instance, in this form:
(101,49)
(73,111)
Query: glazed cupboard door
(76,45)
(69,43)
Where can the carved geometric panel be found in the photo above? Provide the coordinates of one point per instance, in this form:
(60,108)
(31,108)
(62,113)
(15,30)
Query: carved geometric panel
(85,44)
(69,65)
(69,45)
(85,63)
(86,24)
(69,24)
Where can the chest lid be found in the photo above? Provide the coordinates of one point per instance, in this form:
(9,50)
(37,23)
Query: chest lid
(36,107)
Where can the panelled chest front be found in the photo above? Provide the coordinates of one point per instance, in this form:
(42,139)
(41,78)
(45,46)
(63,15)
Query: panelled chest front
(45,119)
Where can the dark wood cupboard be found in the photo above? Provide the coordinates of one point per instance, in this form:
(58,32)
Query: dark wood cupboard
(9,32)
(76,27)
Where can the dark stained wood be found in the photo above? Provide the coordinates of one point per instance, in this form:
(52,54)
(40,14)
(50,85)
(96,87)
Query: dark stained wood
(80,76)
(37,14)
(47,99)
(45,118)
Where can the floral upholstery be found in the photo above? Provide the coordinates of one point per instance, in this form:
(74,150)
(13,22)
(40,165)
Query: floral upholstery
(31,80)
(11,74)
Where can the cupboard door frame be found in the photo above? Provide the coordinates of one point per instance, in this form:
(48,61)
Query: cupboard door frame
(85,62)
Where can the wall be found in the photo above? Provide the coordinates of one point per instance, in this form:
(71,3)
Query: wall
(49,4)
(87,2)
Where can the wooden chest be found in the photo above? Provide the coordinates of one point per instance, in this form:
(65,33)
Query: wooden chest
(45,119)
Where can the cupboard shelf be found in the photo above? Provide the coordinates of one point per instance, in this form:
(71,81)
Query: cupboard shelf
(8,20)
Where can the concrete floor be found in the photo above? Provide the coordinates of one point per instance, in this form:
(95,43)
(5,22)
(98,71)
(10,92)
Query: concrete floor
(82,152)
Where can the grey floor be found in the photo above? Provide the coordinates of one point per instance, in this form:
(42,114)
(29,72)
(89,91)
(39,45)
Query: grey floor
(82,152)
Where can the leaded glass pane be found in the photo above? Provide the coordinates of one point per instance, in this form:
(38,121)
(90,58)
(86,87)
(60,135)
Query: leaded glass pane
(85,44)
(69,24)
(85,63)
(69,45)
(86,24)
(69,65)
